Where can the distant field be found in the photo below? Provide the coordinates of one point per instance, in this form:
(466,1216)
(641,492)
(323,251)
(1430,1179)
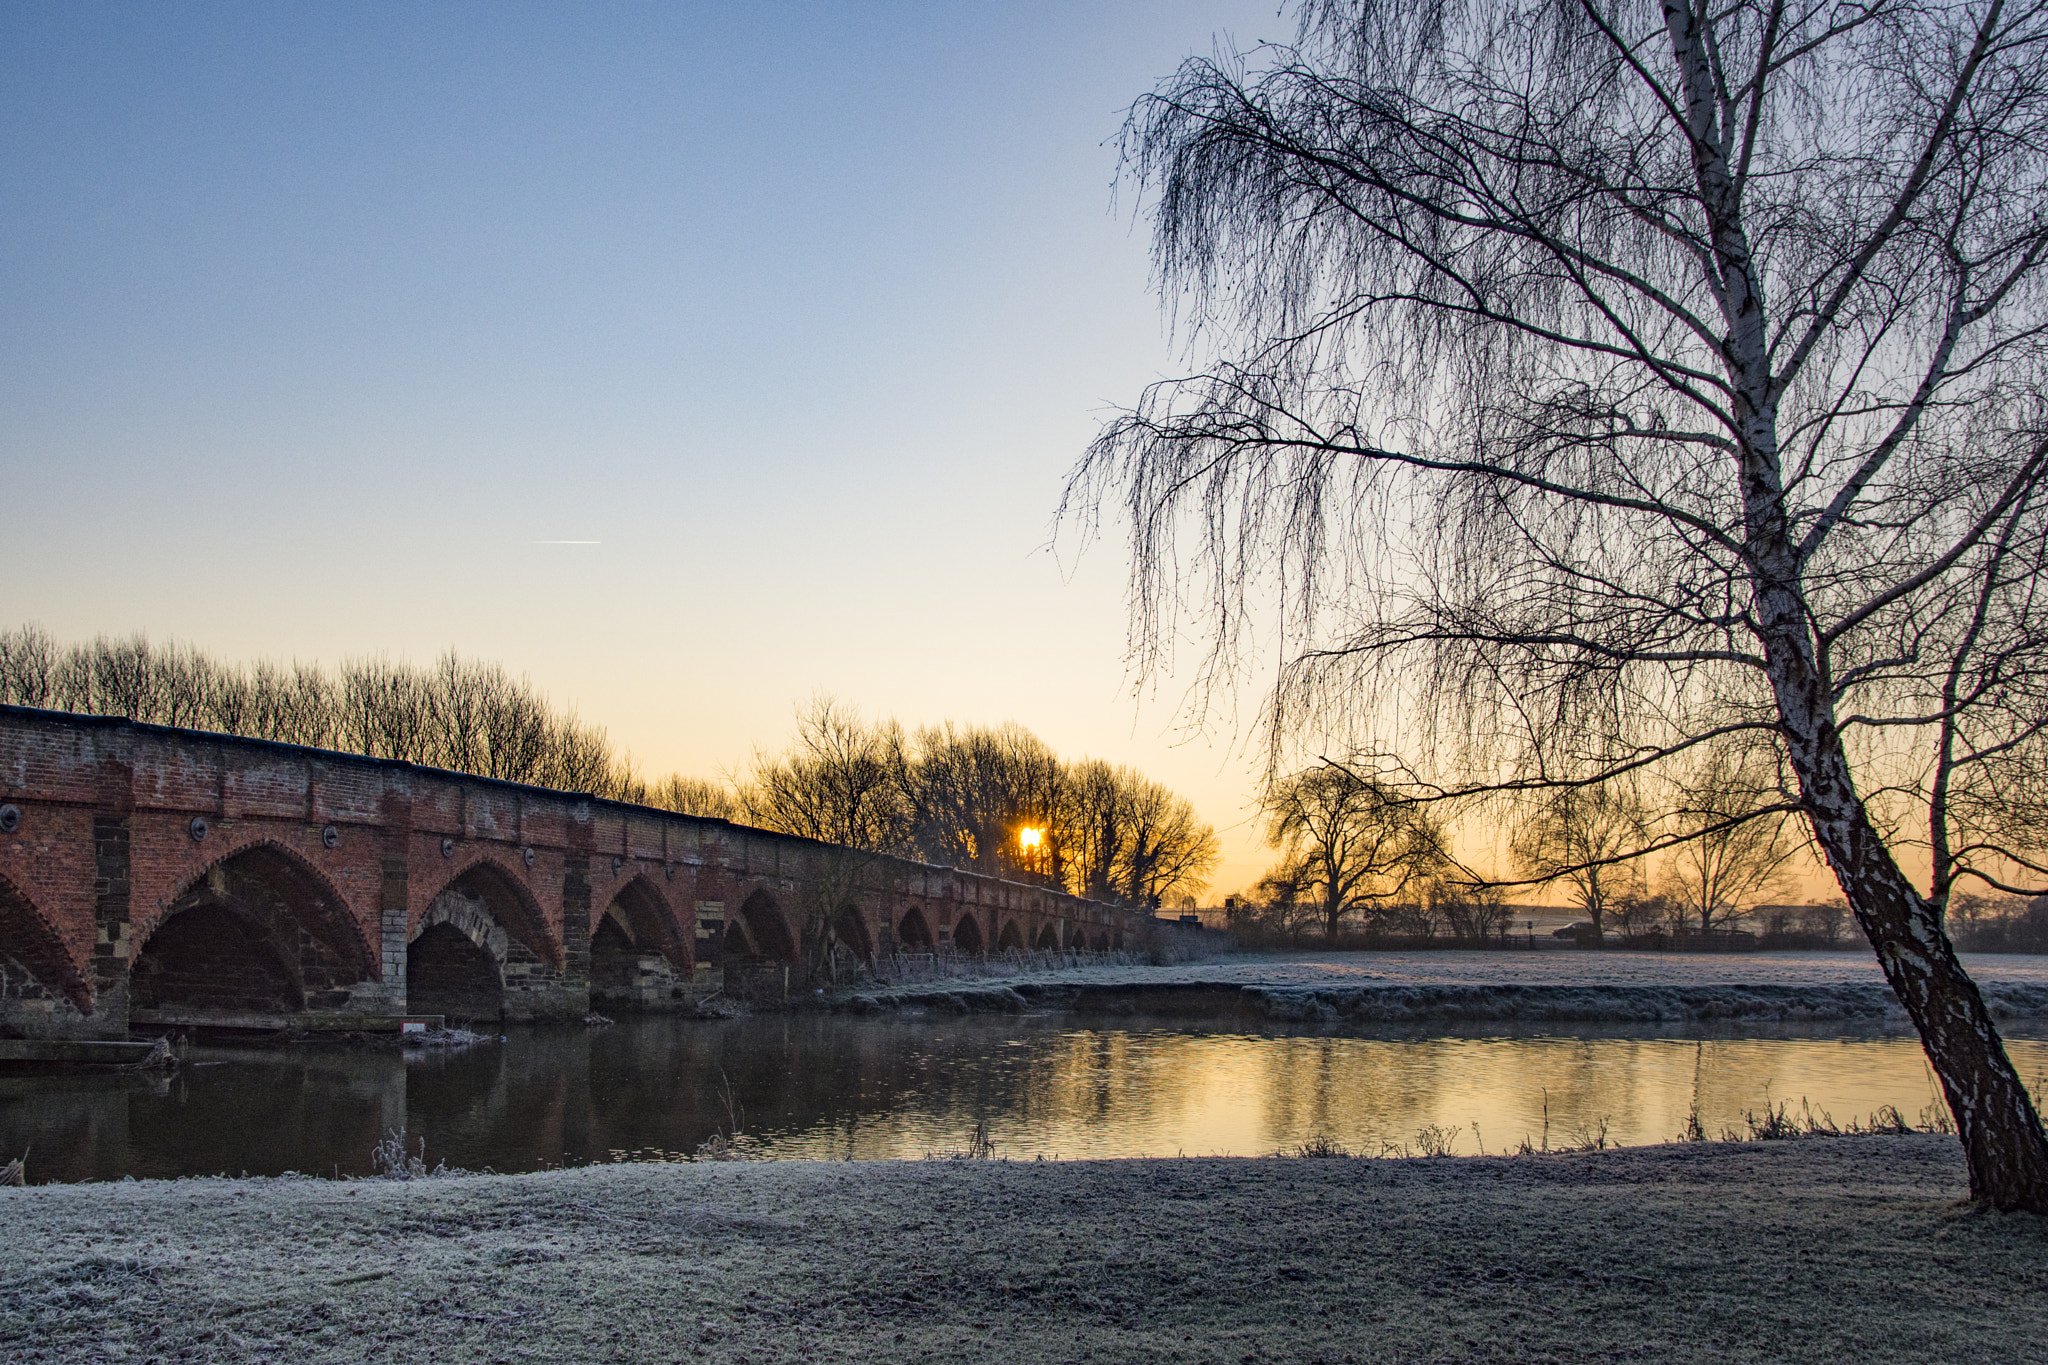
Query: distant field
(1553,966)
(1547,985)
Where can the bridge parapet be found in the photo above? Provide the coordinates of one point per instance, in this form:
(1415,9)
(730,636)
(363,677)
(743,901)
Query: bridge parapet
(174,878)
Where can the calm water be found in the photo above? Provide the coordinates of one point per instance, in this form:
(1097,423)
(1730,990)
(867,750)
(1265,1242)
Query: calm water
(833,1087)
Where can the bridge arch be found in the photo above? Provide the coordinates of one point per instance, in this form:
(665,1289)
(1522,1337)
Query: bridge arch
(481,936)
(1048,938)
(914,931)
(850,931)
(259,934)
(1011,939)
(36,969)
(501,893)
(636,951)
(760,931)
(967,936)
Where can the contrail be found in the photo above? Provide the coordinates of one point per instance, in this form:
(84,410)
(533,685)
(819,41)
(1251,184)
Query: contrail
(566,542)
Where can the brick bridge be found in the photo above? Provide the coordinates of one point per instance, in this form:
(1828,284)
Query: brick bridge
(154,878)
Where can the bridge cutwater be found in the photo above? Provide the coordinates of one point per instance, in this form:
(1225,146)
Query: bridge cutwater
(156,879)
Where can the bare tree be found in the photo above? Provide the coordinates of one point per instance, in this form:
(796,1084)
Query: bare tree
(1603,377)
(1721,862)
(693,796)
(1470,914)
(1578,835)
(1167,849)
(1092,828)
(459,714)
(837,784)
(973,789)
(1130,839)
(1351,841)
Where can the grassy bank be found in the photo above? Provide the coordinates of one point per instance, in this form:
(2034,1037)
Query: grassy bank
(1451,987)
(1818,1250)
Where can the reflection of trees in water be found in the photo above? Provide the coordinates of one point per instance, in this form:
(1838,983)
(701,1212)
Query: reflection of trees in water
(902,1087)
(262,1113)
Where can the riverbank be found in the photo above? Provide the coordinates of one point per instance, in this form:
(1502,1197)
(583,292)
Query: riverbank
(1545,986)
(1814,1250)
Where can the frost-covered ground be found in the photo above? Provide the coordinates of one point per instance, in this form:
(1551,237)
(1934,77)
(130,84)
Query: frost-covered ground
(1545,984)
(1815,1250)
(1541,967)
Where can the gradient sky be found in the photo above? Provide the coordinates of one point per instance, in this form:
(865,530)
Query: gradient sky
(319,323)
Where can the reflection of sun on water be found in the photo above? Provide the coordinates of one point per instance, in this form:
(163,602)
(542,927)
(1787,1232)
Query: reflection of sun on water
(1112,1093)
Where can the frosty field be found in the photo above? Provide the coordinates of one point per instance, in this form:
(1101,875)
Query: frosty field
(1816,1250)
(1544,985)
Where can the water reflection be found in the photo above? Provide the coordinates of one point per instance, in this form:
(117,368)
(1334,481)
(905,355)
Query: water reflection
(818,1087)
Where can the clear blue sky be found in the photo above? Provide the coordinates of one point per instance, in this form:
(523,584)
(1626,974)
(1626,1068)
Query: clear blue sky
(316,320)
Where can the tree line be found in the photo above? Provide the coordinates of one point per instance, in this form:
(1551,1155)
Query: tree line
(460,714)
(990,799)
(1690,854)
(993,799)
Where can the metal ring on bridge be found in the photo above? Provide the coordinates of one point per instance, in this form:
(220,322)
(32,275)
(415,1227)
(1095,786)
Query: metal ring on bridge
(330,837)
(197,829)
(447,848)
(10,819)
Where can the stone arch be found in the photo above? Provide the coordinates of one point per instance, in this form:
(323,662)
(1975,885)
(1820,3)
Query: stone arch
(480,951)
(643,913)
(914,931)
(485,883)
(1011,939)
(1100,943)
(37,975)
(636,954)
(762,931)
(258,935)
(448,972)
(967,935)
(1048,938)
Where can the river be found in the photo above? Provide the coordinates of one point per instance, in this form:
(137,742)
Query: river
(832,1087)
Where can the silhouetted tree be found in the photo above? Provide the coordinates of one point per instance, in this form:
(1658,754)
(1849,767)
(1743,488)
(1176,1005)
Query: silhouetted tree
(458,714)
(1723,862)
(1130,839)
(1351,842)
(972,789)
(692,796)
(1582,836)
(837,782)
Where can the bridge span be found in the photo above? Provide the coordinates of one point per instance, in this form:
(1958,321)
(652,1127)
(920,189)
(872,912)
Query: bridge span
(155,878)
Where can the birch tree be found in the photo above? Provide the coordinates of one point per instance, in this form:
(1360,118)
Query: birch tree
(1588,380)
